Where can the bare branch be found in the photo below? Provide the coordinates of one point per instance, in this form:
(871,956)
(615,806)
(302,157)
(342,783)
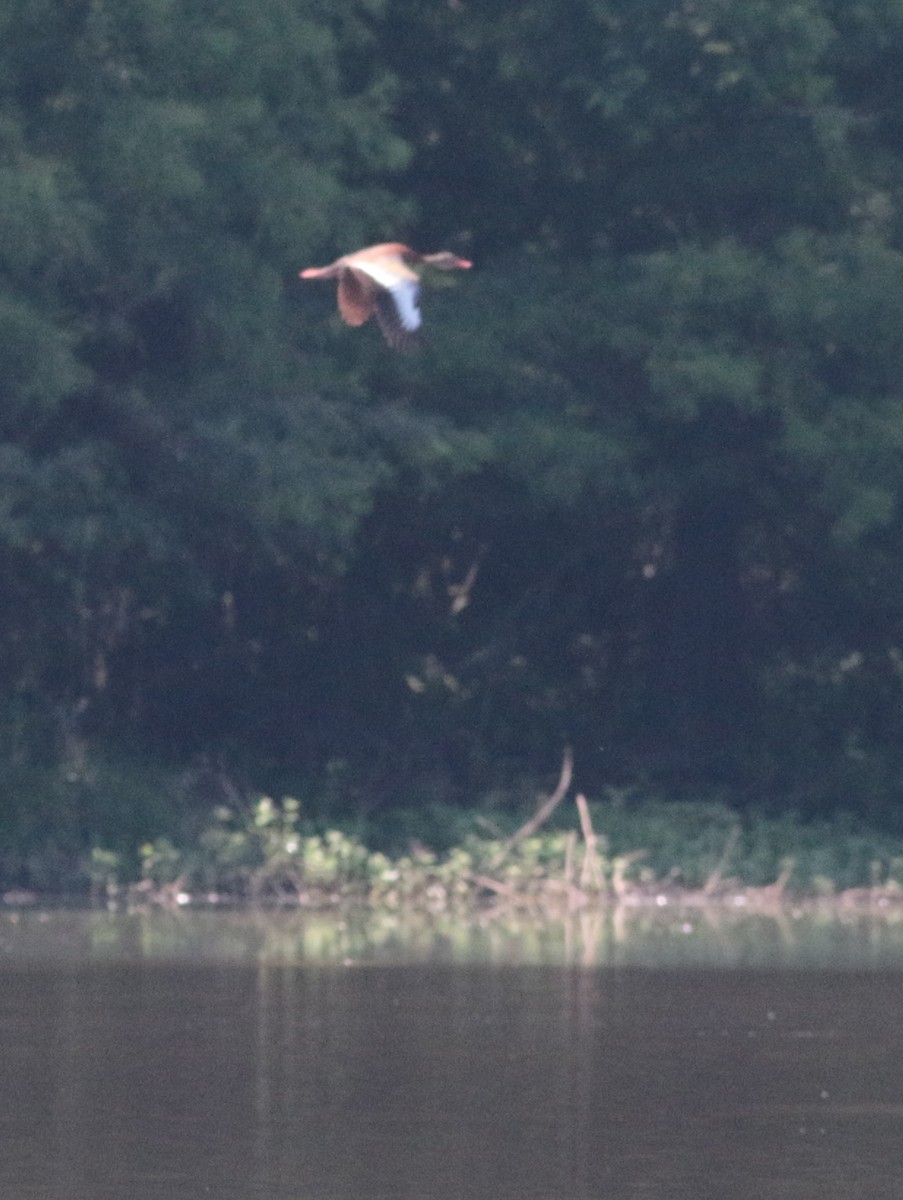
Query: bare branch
(591,874)
(544,811)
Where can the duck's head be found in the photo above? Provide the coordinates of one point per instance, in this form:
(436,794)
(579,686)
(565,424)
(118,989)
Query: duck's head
(444,260)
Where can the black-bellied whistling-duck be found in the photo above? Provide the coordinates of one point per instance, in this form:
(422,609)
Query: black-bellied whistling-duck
(378,281)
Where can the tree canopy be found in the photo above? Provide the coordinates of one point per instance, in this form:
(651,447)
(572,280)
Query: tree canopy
(639,492)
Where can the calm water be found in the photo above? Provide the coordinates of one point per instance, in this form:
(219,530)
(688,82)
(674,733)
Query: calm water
(230,1056)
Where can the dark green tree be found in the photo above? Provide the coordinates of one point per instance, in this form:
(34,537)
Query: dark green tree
(167,449)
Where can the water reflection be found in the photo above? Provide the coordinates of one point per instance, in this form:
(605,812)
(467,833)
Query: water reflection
(238,1055)
(615,937)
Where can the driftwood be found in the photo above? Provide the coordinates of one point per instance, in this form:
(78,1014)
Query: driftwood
(620,884)
(542,813)
(713,881)
(490,885)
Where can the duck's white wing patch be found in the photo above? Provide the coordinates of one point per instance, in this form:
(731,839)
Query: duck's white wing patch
(403,289)
(399,326)
(406,297)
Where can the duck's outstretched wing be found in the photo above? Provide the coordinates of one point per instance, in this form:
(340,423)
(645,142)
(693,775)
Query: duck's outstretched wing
(357,297)
(398,312)
(395,298)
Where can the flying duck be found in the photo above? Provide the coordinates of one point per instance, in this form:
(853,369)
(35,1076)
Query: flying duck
(378,281)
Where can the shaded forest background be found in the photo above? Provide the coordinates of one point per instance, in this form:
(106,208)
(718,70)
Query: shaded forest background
(639,492)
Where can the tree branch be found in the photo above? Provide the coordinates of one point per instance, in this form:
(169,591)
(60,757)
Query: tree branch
(544,811)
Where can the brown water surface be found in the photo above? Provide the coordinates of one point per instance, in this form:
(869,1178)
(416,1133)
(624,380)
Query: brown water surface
(181,1056)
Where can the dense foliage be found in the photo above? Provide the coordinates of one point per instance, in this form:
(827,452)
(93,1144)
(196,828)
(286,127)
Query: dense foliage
(640,492)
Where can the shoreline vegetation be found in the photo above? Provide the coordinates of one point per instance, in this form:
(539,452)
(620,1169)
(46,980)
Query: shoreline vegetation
(570,856)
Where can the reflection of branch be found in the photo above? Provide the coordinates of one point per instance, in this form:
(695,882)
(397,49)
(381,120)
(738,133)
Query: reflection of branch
(544,811)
